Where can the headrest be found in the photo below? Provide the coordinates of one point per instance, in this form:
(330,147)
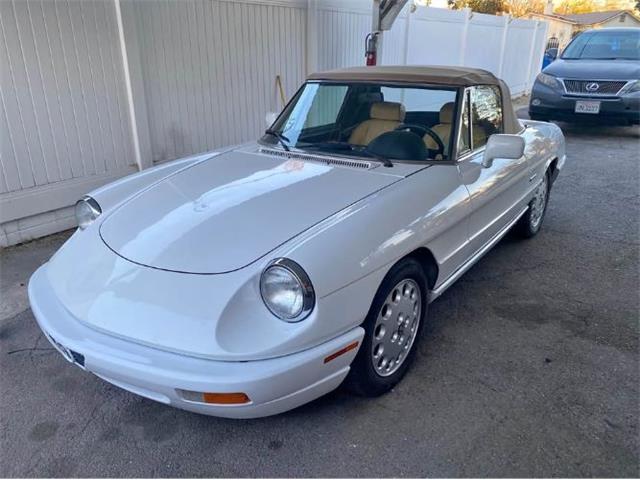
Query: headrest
(387,111)
(370,97)
(446,113)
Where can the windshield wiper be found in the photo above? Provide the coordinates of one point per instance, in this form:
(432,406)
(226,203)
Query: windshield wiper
(281,138)
(385,161)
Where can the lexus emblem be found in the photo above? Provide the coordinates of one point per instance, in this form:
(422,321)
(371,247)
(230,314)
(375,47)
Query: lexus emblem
(592,87)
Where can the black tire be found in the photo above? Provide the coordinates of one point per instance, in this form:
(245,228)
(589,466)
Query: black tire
(363,379)
(530,224)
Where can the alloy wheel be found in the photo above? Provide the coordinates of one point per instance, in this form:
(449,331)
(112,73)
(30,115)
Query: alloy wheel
(396,327)
(539,203)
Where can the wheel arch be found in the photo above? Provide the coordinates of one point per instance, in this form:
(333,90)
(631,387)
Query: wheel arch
(552,168)
(428,262)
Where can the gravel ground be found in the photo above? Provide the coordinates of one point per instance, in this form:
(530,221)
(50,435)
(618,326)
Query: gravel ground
(529,367)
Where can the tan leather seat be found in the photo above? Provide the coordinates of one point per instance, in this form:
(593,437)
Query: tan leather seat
(384,117)
(443,129)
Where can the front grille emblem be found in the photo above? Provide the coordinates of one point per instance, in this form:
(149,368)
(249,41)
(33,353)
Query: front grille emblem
(594,87)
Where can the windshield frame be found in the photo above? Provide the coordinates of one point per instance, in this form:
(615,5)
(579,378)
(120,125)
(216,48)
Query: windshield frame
(352,154)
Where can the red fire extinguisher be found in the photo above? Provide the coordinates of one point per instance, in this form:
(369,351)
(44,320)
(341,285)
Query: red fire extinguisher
(371,48)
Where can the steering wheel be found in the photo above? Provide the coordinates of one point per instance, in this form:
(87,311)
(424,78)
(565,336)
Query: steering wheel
(423,130)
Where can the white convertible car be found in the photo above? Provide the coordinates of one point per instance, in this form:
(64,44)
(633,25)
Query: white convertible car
(248,281)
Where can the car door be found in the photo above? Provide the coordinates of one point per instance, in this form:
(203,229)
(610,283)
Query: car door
(496,192)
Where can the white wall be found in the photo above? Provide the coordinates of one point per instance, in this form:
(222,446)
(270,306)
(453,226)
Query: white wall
(209,69)
(63,122)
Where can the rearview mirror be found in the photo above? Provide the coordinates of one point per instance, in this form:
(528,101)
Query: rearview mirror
(502,145)
(270,118)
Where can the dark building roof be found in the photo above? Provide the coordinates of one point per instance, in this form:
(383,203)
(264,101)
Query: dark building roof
(589,18)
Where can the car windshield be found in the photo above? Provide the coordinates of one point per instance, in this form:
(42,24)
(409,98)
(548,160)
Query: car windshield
(345,118)
(604,45)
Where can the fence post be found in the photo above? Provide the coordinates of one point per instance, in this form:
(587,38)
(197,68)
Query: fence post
(465,30)
(537,57)
(531,54)
(134,87)
(312,36)
(503,44)
(405,53)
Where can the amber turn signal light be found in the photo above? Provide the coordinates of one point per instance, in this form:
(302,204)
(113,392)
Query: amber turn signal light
(342,351)
(225,398)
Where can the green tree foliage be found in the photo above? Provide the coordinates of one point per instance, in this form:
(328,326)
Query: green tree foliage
(568,7)
(481,6)
(521,8)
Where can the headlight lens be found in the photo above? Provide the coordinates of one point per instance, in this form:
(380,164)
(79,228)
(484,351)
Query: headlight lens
(286,290)
(632,87)
(548,80)
(87,210)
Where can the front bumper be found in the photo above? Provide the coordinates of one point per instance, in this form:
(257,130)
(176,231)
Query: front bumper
(273,386)
(551,104)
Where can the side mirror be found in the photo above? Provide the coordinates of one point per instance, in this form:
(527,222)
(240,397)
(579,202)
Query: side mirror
(270,118)
(552,53)
(502,145)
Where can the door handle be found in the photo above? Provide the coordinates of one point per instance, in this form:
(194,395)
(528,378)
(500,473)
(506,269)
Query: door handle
(533,177)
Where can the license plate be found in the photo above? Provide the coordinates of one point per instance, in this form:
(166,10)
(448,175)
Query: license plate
(587,107)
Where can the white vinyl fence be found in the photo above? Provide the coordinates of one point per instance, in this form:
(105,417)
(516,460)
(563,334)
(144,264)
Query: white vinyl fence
(94,90)
(510,48)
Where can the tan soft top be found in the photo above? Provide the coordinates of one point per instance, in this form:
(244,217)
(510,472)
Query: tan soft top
(432,75)
(440,75)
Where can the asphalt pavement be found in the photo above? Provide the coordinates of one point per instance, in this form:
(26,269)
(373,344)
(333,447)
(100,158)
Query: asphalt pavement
(529,367)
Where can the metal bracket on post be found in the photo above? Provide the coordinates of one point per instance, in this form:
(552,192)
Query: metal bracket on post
(385,13)
(388,11)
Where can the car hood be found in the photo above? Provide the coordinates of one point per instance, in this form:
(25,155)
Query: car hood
(226,212)
(594,69)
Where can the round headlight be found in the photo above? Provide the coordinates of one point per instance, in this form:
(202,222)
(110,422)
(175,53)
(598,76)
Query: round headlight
(286,290)
(87,210)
